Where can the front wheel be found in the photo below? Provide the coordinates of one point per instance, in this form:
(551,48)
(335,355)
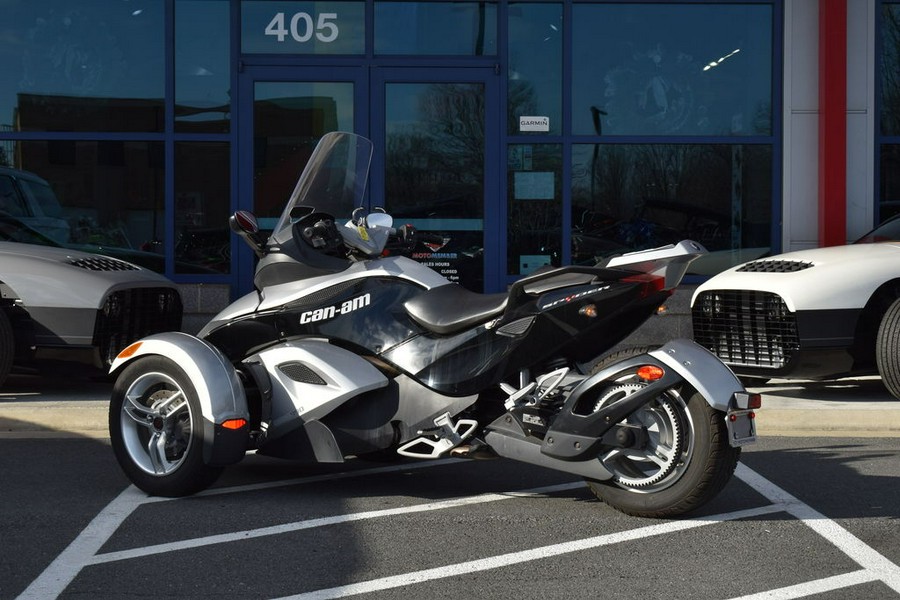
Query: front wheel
(686,461)
(7,346)
(887,349)
(156,429)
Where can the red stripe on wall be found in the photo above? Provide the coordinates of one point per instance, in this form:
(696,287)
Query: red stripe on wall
(832,122)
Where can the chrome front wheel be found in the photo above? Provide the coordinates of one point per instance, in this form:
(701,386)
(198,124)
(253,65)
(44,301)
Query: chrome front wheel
(156,423)
(156,429)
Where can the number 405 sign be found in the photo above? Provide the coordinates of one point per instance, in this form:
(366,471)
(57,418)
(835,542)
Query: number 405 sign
(302,27)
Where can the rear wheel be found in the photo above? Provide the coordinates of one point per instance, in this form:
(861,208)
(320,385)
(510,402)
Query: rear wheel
(156,429)
(7,346)
(887,349)
(687,459)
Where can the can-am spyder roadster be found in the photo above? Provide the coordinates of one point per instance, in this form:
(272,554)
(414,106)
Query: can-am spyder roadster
(346,350)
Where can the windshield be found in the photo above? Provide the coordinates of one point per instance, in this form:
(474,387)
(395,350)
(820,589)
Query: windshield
(889,231)
(334,180)
(43,194)
(14,230)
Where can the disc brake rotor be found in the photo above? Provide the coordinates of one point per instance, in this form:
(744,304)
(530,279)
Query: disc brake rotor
(175,423)
(649,465)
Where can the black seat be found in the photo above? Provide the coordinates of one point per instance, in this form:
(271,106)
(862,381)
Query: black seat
(450,308)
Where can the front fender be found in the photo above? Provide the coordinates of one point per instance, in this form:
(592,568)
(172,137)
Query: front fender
(219,390)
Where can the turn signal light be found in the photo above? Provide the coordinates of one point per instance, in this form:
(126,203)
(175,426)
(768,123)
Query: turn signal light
(650,372)
(129,350)
(588,310)
(234,423)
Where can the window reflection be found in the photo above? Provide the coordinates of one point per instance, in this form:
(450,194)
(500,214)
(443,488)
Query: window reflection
(202,74)
(534,207)
(202,206)
(83,65)
(535,65)
(434,171)
(631,197)
(672,69)
(108,196)
(289,118)
(890,70)
(436,28)
(889,192)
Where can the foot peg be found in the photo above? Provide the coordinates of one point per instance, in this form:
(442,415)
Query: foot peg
(436,442)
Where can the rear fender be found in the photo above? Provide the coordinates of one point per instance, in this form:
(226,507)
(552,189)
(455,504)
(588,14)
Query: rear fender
(702,370)
(577,435)
(219,389)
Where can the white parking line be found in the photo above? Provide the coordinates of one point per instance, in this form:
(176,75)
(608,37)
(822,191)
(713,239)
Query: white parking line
(238,536)
(515,558)
(83,551)
(819,586)
(865,556)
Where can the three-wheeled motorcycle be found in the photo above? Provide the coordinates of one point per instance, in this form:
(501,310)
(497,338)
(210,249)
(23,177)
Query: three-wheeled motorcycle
(348,348)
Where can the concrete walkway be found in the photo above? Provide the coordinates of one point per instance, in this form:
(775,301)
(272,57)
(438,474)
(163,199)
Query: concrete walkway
(33,406)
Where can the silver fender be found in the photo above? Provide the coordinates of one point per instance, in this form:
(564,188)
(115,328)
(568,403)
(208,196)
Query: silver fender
(219,390)
(310,378)
(702,369)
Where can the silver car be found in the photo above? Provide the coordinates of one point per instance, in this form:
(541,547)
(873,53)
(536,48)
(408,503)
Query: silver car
(62,304)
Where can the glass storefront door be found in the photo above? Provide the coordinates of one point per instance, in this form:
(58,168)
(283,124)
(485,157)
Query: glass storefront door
(432,150)
(287,110)
(434,133)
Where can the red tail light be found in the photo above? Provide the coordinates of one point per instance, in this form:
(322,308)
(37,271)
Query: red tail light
(650,284)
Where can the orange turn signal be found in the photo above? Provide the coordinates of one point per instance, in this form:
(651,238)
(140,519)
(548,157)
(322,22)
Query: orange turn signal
(129,351)
(234,423)
(650,372)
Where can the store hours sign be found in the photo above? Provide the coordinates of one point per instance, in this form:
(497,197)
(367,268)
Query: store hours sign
(302,27)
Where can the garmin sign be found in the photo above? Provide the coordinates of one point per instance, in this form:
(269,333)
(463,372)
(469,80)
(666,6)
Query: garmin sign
(534,124)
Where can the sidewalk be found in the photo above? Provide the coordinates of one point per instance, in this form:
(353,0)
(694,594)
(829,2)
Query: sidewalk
(32,406)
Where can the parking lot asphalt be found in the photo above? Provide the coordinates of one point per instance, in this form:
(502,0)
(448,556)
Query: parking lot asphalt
(63,406)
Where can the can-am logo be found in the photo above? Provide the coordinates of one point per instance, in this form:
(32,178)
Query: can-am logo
(330,312)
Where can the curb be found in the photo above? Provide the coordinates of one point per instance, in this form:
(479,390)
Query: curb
(54,419)
(46,419)
(859,407)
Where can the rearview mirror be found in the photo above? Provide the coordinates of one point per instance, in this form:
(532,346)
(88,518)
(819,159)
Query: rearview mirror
(380,220)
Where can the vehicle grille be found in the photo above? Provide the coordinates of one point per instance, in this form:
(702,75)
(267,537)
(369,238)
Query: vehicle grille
(746,327)
(300,373)
(102,263)
(129,315)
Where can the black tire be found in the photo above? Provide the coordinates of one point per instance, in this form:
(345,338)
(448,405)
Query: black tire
(694,439)
(887,349)
(156,429)
(7,346)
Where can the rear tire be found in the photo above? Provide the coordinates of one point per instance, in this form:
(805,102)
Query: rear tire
(887,349)
(7,346)
(693,439)
(156,428)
